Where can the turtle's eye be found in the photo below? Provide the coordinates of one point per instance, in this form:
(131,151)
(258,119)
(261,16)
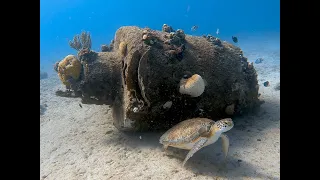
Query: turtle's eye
(224,124)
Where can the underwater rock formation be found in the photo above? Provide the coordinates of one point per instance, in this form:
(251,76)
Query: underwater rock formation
(144,79)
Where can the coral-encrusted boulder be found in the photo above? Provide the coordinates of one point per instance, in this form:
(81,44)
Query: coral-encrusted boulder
(156,79)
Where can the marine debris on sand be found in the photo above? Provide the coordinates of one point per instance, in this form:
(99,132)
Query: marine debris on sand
(143,71)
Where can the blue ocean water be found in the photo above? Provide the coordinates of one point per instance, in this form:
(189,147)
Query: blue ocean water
(253,22)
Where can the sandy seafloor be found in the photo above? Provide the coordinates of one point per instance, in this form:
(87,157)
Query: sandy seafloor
(81,143)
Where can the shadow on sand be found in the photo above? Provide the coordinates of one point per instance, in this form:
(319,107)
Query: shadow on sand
(243,126)
(209,160)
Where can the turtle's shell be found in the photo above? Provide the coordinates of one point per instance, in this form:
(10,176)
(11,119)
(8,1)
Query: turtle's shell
(186,131)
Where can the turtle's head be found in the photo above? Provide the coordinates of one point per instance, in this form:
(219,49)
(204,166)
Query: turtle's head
(224,125)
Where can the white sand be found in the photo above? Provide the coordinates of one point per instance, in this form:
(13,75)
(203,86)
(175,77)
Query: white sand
(81,143)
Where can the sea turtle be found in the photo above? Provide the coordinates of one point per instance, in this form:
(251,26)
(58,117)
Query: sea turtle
(195,133)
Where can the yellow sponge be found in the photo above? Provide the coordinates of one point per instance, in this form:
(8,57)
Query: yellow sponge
(69,68)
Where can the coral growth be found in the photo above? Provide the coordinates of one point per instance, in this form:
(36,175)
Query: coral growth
(166,28)
(81,43)
(175,41)
(180,34)
(148,37)
(105,48)
(69,70)
(250,65)
(123,48)
(213,40)
(176,38)
(176,52)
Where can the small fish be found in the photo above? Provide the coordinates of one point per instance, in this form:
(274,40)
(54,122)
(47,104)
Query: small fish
(218,31)
(194,28)
(259,60)
(266,84)
(80,105)
(234,39)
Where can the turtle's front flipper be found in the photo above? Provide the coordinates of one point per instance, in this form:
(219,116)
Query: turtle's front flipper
(225,144)
(196,147)
(165,147)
